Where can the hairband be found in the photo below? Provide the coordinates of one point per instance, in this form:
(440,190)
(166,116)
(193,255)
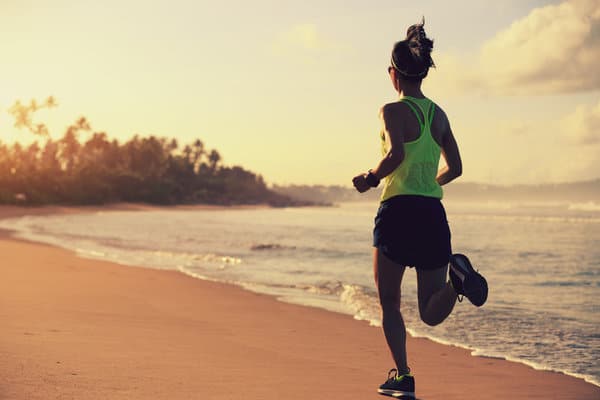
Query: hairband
(407,73)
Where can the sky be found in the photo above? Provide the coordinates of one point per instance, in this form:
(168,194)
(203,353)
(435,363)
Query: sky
(292,90)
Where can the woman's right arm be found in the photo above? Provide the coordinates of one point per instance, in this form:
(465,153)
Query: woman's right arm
(453,168)
(391,118)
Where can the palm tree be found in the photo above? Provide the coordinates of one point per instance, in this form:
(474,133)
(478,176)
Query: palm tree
(31,156)
(69,149)
(187,153)
(50,160)
(23,115)
(198,152)
(214,157)
(173,145)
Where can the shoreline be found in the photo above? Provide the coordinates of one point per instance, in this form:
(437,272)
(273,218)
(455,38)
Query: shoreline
(369,372)
(10,211)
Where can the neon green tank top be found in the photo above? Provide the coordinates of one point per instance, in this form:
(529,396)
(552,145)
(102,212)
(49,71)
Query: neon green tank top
(417,172)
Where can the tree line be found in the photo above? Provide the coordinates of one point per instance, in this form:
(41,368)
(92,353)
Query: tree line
(99,170)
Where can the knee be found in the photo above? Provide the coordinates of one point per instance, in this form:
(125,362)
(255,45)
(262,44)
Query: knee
(389,304)
(430,320)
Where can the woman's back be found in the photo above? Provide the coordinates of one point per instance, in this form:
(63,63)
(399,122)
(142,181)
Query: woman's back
(422,130)
(412,128)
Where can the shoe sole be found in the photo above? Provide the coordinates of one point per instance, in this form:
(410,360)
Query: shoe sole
(397,394)
(475,286)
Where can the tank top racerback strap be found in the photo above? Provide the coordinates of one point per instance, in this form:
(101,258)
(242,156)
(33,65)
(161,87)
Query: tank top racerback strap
(425,117)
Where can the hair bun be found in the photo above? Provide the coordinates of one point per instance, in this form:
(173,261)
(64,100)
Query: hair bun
(411,57)
(416,32)
(418,42)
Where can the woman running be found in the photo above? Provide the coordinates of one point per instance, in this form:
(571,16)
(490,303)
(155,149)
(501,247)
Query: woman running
(411,229)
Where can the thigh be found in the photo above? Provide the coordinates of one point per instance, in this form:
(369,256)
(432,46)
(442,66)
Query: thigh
(430,282)
(388,278)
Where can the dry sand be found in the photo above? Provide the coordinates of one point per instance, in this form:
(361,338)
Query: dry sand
(83,329)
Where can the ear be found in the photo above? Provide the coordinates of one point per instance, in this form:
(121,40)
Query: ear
(399,83)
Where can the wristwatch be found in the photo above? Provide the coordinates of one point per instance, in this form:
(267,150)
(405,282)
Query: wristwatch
(371,179)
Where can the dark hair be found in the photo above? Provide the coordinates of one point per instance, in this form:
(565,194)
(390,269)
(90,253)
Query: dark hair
(411,57)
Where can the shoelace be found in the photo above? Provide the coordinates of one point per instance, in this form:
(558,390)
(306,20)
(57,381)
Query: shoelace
(395,376)
(460,297)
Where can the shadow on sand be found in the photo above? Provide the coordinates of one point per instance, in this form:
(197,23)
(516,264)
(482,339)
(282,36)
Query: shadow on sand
(402,397)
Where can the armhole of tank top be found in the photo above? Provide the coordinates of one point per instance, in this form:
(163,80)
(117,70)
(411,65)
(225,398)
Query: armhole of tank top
(430,113)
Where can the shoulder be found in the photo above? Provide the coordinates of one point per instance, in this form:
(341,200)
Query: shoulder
(393,110)
(439,110)
(440,116)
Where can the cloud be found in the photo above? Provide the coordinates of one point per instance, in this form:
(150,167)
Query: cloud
(577,164)
(305,41)
(583,125)
(563,145)
(515,128)
(554,49)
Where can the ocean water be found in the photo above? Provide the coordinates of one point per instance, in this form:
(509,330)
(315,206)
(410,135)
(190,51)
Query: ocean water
(542,262)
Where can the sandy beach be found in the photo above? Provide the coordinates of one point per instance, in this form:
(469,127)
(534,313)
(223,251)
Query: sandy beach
(84,329)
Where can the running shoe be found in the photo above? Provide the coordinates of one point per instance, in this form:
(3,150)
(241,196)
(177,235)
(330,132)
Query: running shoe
(400,387)
(466,281)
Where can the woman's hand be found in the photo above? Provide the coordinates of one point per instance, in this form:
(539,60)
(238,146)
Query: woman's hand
(360,183)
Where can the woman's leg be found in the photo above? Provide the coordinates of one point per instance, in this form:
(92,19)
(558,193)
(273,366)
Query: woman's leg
(388,278)
(436,295)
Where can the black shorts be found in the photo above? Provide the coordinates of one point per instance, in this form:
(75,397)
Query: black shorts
(413,231)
